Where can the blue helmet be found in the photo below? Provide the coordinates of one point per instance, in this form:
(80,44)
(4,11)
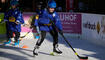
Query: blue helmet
(52,4)
(14,2)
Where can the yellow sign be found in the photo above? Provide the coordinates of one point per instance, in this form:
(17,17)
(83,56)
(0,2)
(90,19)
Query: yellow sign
(12,19)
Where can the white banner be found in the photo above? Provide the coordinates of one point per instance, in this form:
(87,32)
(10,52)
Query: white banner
(93,28)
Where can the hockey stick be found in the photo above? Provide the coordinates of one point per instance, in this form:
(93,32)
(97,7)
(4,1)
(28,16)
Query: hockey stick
(73,49)
(25,34)
(80,57)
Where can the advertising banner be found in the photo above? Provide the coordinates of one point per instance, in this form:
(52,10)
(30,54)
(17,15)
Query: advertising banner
(93,28)
(71,22)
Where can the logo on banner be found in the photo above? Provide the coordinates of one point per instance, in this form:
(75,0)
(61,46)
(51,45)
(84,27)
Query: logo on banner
(92,26)
(103,24)
(98,27)
(102,32)
(71,22)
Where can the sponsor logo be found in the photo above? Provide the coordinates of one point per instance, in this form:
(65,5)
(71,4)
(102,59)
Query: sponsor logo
(89,25)
(98,27)
(92,26)
(103,24)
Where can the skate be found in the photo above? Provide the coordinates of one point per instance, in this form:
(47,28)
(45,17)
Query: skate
(35,51)
(7,43)
(16,44)
(56,51)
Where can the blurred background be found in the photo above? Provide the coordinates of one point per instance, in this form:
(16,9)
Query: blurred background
(85,6)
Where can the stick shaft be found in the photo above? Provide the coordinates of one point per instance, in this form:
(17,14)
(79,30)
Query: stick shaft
(70,45)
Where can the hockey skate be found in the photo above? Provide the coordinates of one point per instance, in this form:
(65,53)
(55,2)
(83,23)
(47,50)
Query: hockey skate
(35,51)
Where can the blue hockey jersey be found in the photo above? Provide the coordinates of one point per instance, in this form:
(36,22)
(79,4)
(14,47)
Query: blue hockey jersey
(45,19)
(11,16)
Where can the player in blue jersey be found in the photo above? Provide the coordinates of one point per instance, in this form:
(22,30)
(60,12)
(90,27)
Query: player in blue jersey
(14,19)
(45,25)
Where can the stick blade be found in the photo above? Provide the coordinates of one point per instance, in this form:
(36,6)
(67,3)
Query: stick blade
(83,58)
(22,37)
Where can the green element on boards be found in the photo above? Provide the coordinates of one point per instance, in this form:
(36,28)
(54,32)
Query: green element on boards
(2,25)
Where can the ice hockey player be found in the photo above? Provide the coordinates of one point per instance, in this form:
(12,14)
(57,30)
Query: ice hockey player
(45,25)
(14,19)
